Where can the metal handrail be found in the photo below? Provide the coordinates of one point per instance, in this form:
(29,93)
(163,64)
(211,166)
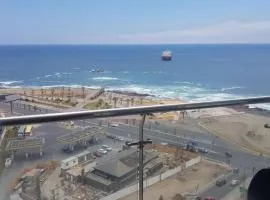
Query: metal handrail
(54,117)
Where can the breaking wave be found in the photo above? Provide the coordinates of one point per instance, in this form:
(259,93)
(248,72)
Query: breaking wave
(102,78)
(231,88)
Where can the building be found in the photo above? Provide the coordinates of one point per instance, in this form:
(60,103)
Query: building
(80,158)
(113,174)
(72,167)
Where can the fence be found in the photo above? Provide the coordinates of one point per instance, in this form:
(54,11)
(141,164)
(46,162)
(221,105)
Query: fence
(148,182)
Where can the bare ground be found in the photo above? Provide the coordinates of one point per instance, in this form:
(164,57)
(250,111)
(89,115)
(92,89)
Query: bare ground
(184,182)
(246,130)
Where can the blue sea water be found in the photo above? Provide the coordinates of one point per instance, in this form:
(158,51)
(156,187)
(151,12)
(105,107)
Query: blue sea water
(197,72)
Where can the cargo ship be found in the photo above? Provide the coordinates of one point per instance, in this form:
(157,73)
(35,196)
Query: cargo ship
(166,55)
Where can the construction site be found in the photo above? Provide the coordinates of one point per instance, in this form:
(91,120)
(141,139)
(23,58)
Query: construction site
(83,176)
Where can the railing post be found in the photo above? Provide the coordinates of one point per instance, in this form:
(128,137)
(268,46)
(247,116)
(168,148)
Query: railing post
(141,157)
(140,145)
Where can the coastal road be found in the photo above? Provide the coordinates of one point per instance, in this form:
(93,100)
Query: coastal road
(176,135)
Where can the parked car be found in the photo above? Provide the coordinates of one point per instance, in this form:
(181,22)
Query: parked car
(119,138)
(102,151)
(114,124)
(235,182)
(97,154)
(106,147)
(221,182)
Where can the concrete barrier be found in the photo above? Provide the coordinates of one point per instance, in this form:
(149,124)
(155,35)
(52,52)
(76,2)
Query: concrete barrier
(150,181)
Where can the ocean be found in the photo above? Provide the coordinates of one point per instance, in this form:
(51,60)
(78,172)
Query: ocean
(196,72)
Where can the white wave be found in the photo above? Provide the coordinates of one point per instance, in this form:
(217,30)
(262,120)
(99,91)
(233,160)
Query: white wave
(66,73)
(48,75)
(103,78)
(183,82)
(186,92)
(6,83)
(231,88)
(125,72)
(76,68)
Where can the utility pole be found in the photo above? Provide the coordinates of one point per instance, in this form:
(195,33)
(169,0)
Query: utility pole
(140,145)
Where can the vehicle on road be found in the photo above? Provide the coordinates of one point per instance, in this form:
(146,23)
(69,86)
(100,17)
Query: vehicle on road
(114,124)
(235,182)
(236,170)
(203,150)
(111,136)
(97,154)
(102,151)
(8,162)
(228,154)
(209,198)
(221,182)
(106,147)
(266,125)
(119,138)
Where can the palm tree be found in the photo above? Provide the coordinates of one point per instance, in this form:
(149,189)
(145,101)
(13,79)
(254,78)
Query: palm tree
(110,99)
(128,101)
(32,94)
(69,93)
(121,101)
(42,93)
(52,93)
(83,92)
(132,101)
(141,100)
(114,101)
(62,93)
(183,112)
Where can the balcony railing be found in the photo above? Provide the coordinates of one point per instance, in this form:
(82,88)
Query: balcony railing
(53,117)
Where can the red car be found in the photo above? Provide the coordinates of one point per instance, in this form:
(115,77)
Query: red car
(209,198)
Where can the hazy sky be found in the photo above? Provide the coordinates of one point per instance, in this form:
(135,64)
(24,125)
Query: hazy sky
(134,21)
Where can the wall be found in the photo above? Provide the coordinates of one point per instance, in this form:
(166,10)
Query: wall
(150,181)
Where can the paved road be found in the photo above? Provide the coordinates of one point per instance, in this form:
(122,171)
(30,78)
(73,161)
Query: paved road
(176,135)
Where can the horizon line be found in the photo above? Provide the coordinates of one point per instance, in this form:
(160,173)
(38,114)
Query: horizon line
(132,44)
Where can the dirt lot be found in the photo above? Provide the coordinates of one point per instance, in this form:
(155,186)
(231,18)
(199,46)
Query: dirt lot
(246,130)
(187,181)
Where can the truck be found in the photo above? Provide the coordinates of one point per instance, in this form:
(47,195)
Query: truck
(21,131)
(192,146)
(28,130)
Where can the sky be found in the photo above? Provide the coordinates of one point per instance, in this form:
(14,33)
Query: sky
(134,21)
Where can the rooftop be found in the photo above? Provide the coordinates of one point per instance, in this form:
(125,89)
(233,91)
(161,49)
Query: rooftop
(125,163)
(24,144)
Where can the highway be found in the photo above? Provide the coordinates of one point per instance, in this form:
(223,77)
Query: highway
(174,135)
